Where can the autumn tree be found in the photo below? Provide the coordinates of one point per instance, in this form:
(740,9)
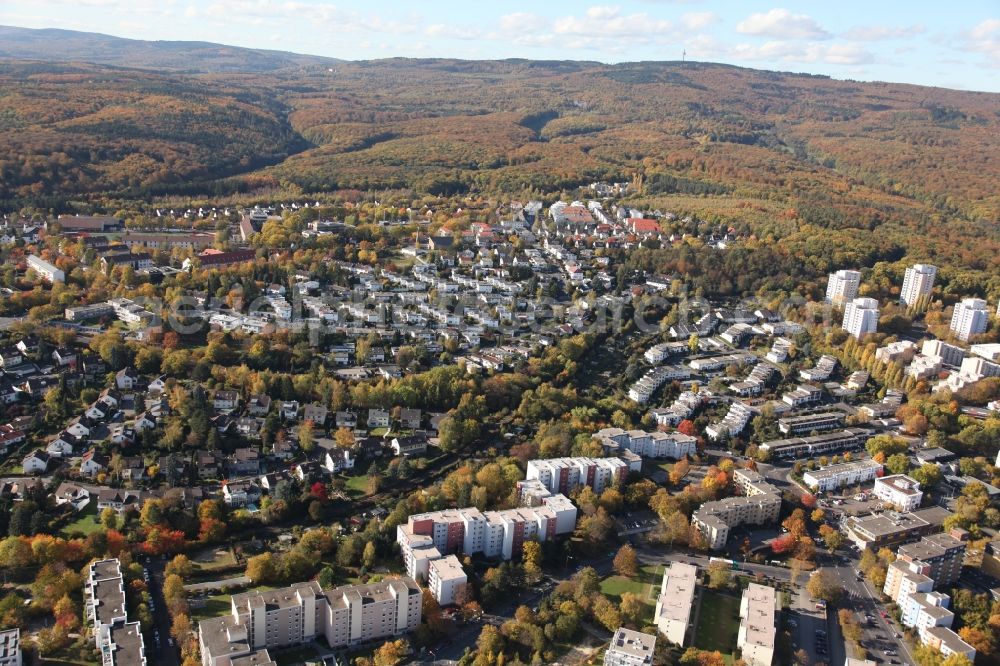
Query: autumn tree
(626,563)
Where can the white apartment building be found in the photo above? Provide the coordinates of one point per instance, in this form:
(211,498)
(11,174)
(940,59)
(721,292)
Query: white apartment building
(630,648)
(10,647)
(924,610)
(446,580)
(118,640)
(861,317)
(970,317)
(499,534)
(834,477)
(842,286)
(900,491)
(674,445)
(917,283)
(756,637)
(290,616)
(947,642)
(563,475)
(760,504)
(905,578)
(676,601)
(45,270)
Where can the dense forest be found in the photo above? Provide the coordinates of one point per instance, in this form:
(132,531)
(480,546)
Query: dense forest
(872,170)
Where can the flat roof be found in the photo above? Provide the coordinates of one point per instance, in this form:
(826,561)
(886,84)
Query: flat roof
(843,468)
(759,618)
(448,568)
(677,592)
(900,483)
(633,643)
(128,649)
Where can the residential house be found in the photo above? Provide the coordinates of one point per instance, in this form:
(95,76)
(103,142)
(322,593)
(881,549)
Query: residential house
(127,379)
(346,420)
(36,462)
(378,418)
(289,409)
(249,426)
(409,419)
(208,465)
(119,501)
(64,357)
(243,462)
(409,446)
(259,405)
(93,463)
(316,413)
(241,493)
(133,469)
(225,400)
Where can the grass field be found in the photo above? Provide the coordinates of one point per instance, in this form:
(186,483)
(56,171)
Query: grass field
(87,521)
(718,623)
(357,485)
(646,585)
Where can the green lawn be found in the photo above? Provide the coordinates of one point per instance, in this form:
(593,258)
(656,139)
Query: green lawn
(357,485)
(87,521)
(646,585)
(718,623)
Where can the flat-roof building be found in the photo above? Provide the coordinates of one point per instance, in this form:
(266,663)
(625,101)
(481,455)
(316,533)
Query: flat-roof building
(630,648)
(899,490)
(673,607)
(834,477)
(756,637)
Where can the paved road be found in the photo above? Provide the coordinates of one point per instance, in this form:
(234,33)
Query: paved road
(162,654)
(211,585)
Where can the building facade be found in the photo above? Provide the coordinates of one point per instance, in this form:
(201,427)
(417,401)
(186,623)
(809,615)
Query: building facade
(861,317)
(970,317)
(756,637)
(564,475)
(842,286)
(917,283)
(900,491)
(676,601)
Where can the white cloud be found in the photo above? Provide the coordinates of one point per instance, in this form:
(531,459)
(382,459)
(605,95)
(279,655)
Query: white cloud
(698,20)
(440,30)
(843,53)
(984,38)
(522,22)
(782,24)
(605,21)
(877,33)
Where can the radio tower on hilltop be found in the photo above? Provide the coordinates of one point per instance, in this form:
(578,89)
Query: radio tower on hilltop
(684,55)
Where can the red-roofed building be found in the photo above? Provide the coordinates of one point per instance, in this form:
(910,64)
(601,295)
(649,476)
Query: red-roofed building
(638,225)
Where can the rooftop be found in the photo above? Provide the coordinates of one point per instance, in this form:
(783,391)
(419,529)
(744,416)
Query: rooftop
(758,615)
(901,483)
(677,592)
(633,643)
(448,568)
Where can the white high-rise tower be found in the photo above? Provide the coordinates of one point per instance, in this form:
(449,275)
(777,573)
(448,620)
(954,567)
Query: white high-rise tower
(842,286)
(861,316)
(969,318)
(917,283)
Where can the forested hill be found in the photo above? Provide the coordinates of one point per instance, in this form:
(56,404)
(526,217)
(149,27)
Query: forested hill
(856,153)
(71,46)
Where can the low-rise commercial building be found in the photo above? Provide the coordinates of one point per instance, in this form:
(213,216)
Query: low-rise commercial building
(899,490)
(756,637)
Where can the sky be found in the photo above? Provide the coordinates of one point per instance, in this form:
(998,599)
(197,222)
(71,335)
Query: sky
(951,44)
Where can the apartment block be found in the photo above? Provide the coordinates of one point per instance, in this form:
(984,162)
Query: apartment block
(498,534)
(918,282)
(808,423)
(816,445)
(900,491)
(949,354)
(10,647)
(839,476)
(940,556)
(676,601)
(446,580)
(294,615)
(905,578)
(674,445)
(970,317)
(45,270)
(564,475)
(756,637)
(761,504)
(630,648)
(923,610)
(861,317)
(947,642)
(842,286)
(118,640)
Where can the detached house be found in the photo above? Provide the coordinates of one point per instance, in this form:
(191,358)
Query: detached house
(409,446)
(93,463)
(259,405)
(127,379)
(64,357)
(289,409)
(316,413)
(241,493)
(378,418)
(225,400)
(409,419)
(346,420)
(36,462)
(207,464)
(243,462)
(63,445)
(133,469)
